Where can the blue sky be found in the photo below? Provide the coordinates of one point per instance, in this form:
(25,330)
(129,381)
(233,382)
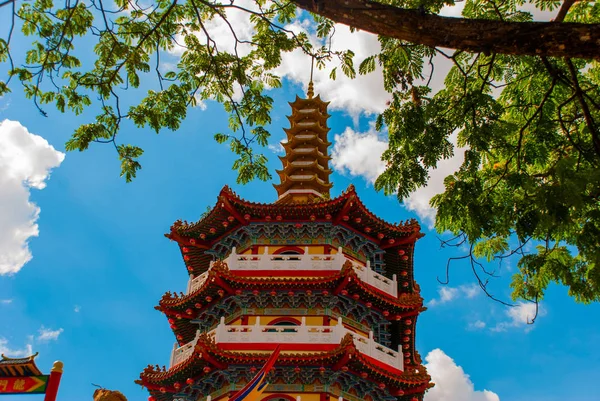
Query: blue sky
(101,263)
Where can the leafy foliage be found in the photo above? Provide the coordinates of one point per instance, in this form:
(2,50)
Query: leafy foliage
(530,177)
(530,182)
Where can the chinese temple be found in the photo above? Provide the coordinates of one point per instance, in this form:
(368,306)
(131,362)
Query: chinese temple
(17,367)
(321,280)
(22,376)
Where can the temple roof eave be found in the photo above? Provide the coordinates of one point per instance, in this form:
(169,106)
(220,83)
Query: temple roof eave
(26,365)
(345,203)
(294,140)
(301,102)
(290,171)
(211,289)
(413,377)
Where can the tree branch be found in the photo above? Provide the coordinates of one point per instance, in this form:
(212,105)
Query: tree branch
(564,9)
(556,39)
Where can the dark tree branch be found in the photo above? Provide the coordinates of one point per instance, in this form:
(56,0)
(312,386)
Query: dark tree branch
(564,9)
(589,120)
(456,242)
(6,2)
(556,39)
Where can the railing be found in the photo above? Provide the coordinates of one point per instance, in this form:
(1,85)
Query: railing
(182,353)
(306,123)
(304,150)
(302,176)
(307,261)
(305,136)
(302,162)
(379,281)
(196,282)
(303,334)
(285,262)
(320,181)
(301,262)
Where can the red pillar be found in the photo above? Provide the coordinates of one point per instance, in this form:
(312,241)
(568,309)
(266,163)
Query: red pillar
(54,381)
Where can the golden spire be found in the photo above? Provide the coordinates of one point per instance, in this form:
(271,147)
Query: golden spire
(305,174)
(310,93)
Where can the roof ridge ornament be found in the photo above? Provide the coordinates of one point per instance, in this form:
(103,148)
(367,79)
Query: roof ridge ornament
(310,93)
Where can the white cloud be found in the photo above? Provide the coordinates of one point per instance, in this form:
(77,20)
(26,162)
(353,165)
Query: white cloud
(359,153)
(276,148)
(77,309)
(451,382)
(448,294)
(520,315)
(14,352)
(6,301)
(48,334)
(45,335)
(221,34)
(25,162)
(476,325)
(470,291)
(454,10)
(364,94)
(418,201)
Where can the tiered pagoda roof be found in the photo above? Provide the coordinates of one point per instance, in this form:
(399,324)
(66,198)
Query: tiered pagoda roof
(222,282)
(208,356)
(305,174)
(13,367)
(232,212)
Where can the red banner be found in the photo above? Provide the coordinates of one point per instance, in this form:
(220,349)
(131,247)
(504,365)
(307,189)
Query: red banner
(23,385)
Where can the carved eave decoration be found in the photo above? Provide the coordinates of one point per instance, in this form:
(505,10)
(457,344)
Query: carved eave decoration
(232,212)
(208,356)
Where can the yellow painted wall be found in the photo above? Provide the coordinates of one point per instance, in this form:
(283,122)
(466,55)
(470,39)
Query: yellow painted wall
(310,321)
(266,320)
(312,249)
(303,396)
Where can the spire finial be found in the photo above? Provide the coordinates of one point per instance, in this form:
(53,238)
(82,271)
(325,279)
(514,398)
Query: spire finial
(310,93)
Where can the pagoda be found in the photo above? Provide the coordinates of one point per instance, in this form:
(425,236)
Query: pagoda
(322,279)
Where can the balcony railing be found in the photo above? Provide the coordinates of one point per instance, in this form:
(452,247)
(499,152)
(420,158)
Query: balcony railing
(309,123)
(182,353)
(196,282)
(310,262)
(304,150)
(302,176)
(305,136)
(299,335)
(302,163)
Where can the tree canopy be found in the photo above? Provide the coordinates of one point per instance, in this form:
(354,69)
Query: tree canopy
(522,97)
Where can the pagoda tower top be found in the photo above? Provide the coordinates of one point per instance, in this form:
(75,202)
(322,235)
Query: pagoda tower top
(305,174)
